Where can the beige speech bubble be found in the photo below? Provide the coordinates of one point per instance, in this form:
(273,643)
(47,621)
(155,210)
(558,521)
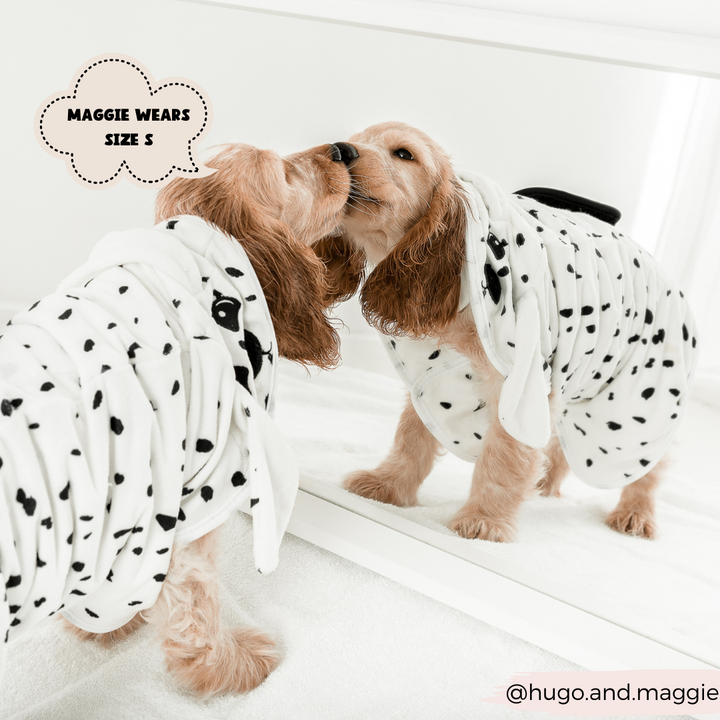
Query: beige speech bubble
(114,121)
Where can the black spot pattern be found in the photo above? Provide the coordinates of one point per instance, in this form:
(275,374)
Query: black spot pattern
(493,283)
(166,522)
(28,503)
(116,425)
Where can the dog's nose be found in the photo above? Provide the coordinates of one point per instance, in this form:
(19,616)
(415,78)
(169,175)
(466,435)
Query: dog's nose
(343,152)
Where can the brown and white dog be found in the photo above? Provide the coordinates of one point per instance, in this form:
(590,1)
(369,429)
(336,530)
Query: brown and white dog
(405,225)
(275,208)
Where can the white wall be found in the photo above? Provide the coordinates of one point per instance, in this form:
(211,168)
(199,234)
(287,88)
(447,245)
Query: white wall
(520,118)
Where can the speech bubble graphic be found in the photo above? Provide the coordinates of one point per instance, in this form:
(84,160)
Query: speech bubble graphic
(114,122)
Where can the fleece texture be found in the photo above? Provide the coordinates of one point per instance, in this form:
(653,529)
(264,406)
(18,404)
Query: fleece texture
(136,407)
(563,305)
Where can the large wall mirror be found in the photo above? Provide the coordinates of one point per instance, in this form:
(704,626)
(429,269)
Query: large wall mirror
(617,101)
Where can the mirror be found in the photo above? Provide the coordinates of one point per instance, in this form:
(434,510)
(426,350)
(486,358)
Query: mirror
(611,132)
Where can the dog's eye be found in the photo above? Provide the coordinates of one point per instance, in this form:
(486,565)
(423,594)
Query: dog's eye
(403,154)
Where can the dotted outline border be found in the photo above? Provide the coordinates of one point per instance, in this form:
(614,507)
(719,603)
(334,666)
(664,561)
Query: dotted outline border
(124,162)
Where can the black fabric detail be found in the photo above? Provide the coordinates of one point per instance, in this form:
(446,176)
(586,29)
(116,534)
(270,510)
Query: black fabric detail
(29,503)
(496,246)
(116,425)
(226,312)
(166,522)
(242,375)
(574,203)
(493,283)
(255,352)
(203,446)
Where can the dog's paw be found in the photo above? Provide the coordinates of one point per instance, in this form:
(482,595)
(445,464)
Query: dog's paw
(237,662)
(631,522)
(470,524)
(377,485)
(105,639)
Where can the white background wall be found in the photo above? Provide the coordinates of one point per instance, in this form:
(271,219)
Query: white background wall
(520,118)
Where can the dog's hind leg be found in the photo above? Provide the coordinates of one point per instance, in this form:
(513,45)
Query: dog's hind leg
(397,479)
(202,654)
(556,469)
(109,638)
(635,513)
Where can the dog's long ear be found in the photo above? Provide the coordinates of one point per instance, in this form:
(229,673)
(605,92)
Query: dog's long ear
(295,287)
(344,264)
(291,275)
(415,290)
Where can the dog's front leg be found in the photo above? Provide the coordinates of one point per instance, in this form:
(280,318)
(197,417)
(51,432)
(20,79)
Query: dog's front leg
(556,470)
(397,479)
(506,470)
(201,654)
(503,476)
(635,513)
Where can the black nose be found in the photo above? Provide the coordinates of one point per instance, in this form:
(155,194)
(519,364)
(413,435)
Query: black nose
(343,152)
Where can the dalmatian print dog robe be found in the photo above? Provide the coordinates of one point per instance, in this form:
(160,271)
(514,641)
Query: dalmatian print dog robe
(563,304)
(135,413)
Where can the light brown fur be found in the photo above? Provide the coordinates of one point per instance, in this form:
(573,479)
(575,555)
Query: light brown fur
(275,207)
(408,218)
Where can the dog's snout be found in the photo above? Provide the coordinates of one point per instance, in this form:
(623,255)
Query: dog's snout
(343,152)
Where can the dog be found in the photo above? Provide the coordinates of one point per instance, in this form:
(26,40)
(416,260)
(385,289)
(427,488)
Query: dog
(561,341)
(150,373)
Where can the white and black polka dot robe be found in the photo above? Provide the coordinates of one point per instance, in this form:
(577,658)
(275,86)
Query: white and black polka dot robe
(563,304)
(135,413)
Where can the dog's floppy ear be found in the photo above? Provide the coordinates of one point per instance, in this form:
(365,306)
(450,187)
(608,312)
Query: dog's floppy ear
(415,290)
(291,275)
(293,281)
(345,266)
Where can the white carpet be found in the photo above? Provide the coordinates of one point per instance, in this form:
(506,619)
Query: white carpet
(356,646)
